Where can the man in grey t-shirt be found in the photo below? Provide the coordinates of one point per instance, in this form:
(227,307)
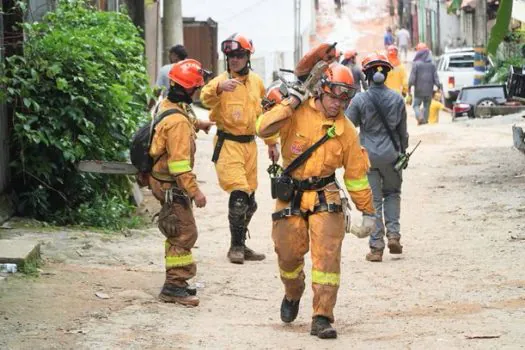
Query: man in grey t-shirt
(177,53)
(403,41)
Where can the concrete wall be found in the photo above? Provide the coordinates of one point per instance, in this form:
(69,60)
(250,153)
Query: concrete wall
(450,29)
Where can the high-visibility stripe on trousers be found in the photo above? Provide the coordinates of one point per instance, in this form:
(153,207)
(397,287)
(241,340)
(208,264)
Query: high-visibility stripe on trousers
(177,223)
(292,235)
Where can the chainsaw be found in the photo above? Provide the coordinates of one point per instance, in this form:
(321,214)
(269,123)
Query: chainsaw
(107,167)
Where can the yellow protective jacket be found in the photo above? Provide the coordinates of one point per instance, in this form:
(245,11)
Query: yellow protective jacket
(301,128)
(397,79)
(174,143)
(236,112)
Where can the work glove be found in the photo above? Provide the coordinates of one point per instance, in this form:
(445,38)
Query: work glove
(368,225)
(298,92)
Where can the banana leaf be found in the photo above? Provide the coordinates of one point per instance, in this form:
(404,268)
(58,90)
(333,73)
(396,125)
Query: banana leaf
(501,27)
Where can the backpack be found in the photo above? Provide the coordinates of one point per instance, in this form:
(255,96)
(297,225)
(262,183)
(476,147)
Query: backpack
(141,143)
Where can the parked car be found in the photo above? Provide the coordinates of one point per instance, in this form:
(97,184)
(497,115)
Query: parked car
(455,69)
(471,97)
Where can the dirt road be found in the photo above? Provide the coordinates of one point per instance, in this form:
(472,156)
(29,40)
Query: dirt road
(461,273)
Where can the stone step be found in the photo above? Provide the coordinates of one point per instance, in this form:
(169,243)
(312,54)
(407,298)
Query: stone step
(19,251)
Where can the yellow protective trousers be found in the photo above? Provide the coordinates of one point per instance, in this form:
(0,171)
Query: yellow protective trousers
(237,166)
(177,223)
(323,233)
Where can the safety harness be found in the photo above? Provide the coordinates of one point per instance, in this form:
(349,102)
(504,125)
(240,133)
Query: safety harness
(314,183)
(221,136)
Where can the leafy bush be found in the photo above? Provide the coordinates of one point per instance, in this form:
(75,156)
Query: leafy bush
(79,90)
(499,73)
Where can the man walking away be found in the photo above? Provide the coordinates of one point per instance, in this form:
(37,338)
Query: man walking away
(388,38)
(423,77)
(381,115)
(403,41)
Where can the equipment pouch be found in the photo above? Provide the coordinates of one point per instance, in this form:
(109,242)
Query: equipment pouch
(282,188)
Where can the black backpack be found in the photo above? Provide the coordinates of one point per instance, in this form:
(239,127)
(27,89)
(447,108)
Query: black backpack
(141,143)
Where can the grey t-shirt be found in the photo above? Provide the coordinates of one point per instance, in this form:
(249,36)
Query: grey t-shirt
(163,81)
(403,37)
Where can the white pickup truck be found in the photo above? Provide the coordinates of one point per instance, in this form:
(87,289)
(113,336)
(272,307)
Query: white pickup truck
(455,69)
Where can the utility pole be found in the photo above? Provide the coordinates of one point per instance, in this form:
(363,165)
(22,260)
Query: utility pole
(172,27)
(480,21)
(297,31)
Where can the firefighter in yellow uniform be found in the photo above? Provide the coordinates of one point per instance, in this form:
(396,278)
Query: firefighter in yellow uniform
(234,98)
(314,214)
(397,77)
(173,182)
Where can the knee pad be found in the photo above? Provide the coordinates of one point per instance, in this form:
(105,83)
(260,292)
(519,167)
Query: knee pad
(252,206)
(239,203)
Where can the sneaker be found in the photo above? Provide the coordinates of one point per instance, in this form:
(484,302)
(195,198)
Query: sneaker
(289,310)
(322,328)
(375,255)
(180,295)
(394,246)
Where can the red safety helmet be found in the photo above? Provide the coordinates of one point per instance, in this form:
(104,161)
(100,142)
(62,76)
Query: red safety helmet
(338,82)
(421,46)
(187,73)
(376,60)
(273,96)
(237,42)
(350,54)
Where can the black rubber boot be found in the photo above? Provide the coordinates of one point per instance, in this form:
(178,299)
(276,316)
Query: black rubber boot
(250,254)
(322,328)
(289,310)
(238,207)
(181,295)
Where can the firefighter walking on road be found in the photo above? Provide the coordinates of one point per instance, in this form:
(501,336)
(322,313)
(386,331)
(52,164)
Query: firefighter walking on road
(173,182)
(234,98)
(314,212)
(381,116)
(397,78)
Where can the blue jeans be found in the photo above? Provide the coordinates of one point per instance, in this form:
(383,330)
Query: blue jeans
(422,116)
(386,190)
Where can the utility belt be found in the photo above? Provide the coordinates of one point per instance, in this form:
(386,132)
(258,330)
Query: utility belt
(284,186)
(175,195)
(221,136)
(291,190)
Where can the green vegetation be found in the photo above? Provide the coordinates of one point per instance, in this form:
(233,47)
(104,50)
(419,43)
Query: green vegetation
(79,91)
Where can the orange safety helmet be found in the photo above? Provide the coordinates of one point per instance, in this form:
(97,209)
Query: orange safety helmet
(376,60)
(237,42)
(273,96)
(187,73)
(338,81)
(350,54)
(421,46)
(391,50)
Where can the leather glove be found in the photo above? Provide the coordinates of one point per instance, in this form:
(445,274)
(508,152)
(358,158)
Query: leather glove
(368,225)
(298,92)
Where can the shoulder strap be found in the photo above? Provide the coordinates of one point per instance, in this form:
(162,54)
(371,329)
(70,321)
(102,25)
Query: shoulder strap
(161,116)
(306,154)
(383,120)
